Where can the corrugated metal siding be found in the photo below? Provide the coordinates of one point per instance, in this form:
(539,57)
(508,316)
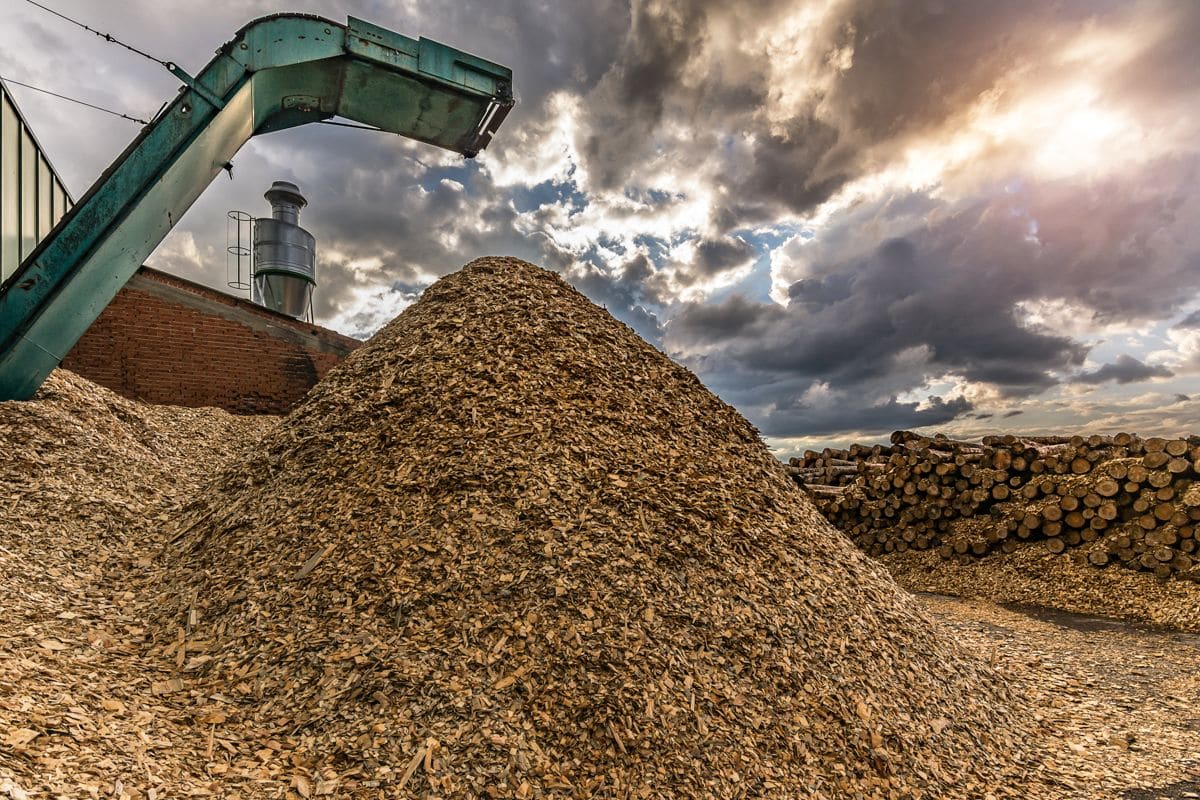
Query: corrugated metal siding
(32,196)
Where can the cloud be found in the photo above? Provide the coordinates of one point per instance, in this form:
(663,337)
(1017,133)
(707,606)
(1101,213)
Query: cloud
(801,420)
(622,293)
(699,325)
(1192,320)
(855,320)
(957,202)
(944,295)
(1126,369)
(714,256)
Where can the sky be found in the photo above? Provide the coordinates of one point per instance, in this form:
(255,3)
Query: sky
(846,216)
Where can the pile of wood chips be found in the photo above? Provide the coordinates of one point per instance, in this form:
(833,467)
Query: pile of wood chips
(508,549)
(88,484)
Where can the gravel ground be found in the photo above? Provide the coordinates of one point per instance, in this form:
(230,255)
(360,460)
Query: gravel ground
(1115,704)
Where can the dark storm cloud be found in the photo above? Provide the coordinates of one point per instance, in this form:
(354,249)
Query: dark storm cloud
(816,293)
(869,419)
(646,82)
(714,256)
(913,68)
(1125,247)
(1126,369)
(906,296)
(622,294)
(549,46)
(1192,320)
(917,65)
(787,167)
(887,74)
(720,322)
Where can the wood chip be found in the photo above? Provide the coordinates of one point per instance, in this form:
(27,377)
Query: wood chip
(311,564)
(20,738)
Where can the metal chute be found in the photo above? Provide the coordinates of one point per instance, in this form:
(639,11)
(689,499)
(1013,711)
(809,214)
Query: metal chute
(278,72)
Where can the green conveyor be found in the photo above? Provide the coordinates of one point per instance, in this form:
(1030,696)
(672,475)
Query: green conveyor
(278,72)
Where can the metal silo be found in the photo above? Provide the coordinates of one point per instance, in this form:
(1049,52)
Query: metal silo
(285,255)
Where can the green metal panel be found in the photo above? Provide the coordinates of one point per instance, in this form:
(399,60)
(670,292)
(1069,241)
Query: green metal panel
(278,72)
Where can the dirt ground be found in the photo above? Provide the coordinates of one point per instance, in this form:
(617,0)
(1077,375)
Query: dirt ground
(1120,700)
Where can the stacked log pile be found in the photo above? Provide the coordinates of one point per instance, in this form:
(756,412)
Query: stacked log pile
(1117,499)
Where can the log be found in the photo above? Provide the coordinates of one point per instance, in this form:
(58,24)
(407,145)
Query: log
(829,490)
(1137,473)
(1120,492)
(1155,459)
(1177,466)
(1177,447)
(1159,479)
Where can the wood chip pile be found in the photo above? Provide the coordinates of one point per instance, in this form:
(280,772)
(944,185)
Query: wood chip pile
(507,549)
(88,482)
(1105,499)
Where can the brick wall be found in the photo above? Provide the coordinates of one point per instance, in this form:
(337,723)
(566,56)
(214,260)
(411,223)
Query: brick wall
(171,341)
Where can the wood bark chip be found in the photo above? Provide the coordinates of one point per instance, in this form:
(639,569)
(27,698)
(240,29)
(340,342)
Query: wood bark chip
(311,564)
